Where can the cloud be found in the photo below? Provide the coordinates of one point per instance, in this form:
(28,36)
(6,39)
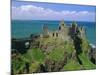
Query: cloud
(31,12)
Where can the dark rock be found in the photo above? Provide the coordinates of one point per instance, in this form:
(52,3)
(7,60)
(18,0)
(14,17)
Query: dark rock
(92,54)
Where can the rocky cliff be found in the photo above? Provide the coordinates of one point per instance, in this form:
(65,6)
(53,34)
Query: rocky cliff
(52,54)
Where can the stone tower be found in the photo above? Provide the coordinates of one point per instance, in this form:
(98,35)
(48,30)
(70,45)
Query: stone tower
(62,25)
(45,30)
(63,30)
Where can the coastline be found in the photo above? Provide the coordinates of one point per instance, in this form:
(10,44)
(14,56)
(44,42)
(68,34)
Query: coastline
(50,51)
(30,27)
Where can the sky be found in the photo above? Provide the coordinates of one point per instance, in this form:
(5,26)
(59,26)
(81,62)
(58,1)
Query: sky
(22,10)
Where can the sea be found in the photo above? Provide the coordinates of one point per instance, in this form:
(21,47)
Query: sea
(24,28)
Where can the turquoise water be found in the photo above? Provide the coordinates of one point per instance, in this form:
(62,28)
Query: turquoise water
(22,29)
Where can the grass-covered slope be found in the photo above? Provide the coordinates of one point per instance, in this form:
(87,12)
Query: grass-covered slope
(54,54)
(33,57)
(86,63)
(34,54)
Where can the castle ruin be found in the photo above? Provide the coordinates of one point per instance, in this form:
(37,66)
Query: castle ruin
(64,32)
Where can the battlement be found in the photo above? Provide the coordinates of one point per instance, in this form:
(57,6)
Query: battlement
(64,32)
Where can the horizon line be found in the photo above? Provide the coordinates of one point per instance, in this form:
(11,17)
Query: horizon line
(48,20)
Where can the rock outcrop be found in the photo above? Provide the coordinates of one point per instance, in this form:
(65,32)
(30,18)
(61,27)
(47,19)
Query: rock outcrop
(62,50)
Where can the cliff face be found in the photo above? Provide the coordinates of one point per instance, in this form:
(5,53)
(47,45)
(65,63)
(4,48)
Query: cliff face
(63,50)
(64,34)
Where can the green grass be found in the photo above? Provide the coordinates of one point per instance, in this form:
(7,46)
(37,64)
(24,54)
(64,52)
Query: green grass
(56,54)
(33,67)
(72,65)
(87,64)
(35,54)
(35,57)
(69,47)
(85,45)
(18,64)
